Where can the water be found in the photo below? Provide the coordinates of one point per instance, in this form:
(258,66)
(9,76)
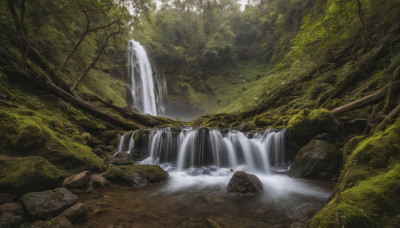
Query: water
(146,91)
(200,163)
(262,152)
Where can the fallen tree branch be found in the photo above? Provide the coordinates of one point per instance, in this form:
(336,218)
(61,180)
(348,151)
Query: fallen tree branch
(388,119)
(374,97)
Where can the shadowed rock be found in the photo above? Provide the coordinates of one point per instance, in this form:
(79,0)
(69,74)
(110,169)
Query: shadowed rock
(242,182)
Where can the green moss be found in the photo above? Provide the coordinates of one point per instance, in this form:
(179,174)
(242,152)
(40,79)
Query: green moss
(28,174)
(8,127)
(126,173)
(213,223)
(29,137)
(367,193)
(311,122)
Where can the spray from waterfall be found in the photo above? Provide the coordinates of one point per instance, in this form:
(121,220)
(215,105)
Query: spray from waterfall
(147,88)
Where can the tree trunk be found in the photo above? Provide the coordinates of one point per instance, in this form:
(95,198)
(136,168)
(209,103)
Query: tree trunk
(362,24)
(376,96)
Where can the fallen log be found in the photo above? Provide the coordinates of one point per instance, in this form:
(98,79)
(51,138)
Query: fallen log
(370,99)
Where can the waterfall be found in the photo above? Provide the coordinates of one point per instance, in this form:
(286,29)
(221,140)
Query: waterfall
(193,148)
(146,91)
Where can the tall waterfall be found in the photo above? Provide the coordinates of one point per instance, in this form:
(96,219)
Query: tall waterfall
(146,91)
(193,148)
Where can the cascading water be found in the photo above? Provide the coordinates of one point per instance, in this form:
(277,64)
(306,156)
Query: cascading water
(146,92)
(194,148)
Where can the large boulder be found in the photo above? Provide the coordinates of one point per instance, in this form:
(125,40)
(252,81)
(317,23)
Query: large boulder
(242,182)
(317,158)
(27,174)
(77,180)
(47,204)
(136,175)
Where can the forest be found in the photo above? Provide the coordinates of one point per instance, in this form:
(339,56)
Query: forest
(199,113)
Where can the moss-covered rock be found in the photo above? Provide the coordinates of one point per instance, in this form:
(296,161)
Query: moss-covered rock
(136,175)
(29,137)
(312,122)
(8,128)
(367,193)
(27,174)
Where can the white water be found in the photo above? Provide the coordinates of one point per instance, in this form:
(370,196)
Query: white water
(146,92)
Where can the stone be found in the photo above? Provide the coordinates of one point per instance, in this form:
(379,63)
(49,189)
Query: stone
(136,175)
(77,180)
(122,158)
(46,204)
(318,157)
(98,180)
(57,222)
(75,212)
(8,220)
(8,197)
(13,208)
(242,182)
(324,136)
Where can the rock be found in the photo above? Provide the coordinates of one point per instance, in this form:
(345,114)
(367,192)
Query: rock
(77,180)
(243,183)
(136,175)
(324,136)
(46,204)
(57,222)
(318,157)
(75,212)
(8,197)
(297,224)
(13,208)
(27,174)
(8,220)
(122,158)
(98,180)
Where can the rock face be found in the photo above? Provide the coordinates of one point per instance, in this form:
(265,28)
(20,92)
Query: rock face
(77,180)
(242,182)
(316,158)
(122,158)
(46,204)
(75,212)
(136,175)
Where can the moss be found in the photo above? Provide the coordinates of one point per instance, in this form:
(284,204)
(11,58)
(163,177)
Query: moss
(8,127)
(311,122)
(213,223)
(28,174)
(29,137)
(127,173)
(367,193)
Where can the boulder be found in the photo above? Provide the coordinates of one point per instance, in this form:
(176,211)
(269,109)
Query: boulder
(136,175)
(75,212)
(46,204)
(316,158)
(98,180)
(122,158)
(13,208)
(242,182)
(77,180)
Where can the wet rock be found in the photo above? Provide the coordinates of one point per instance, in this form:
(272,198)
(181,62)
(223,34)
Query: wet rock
(75,212)
(57,222)
(77,180)
(8,197)
(136,175)
(98,180)
(318,157)
(324,136)
(8,220)
(46,204)
(122,158)
(242,182)
(13,208)
(297,224)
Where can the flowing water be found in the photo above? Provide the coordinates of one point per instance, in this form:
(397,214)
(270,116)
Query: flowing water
(200,163)
(147,90)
